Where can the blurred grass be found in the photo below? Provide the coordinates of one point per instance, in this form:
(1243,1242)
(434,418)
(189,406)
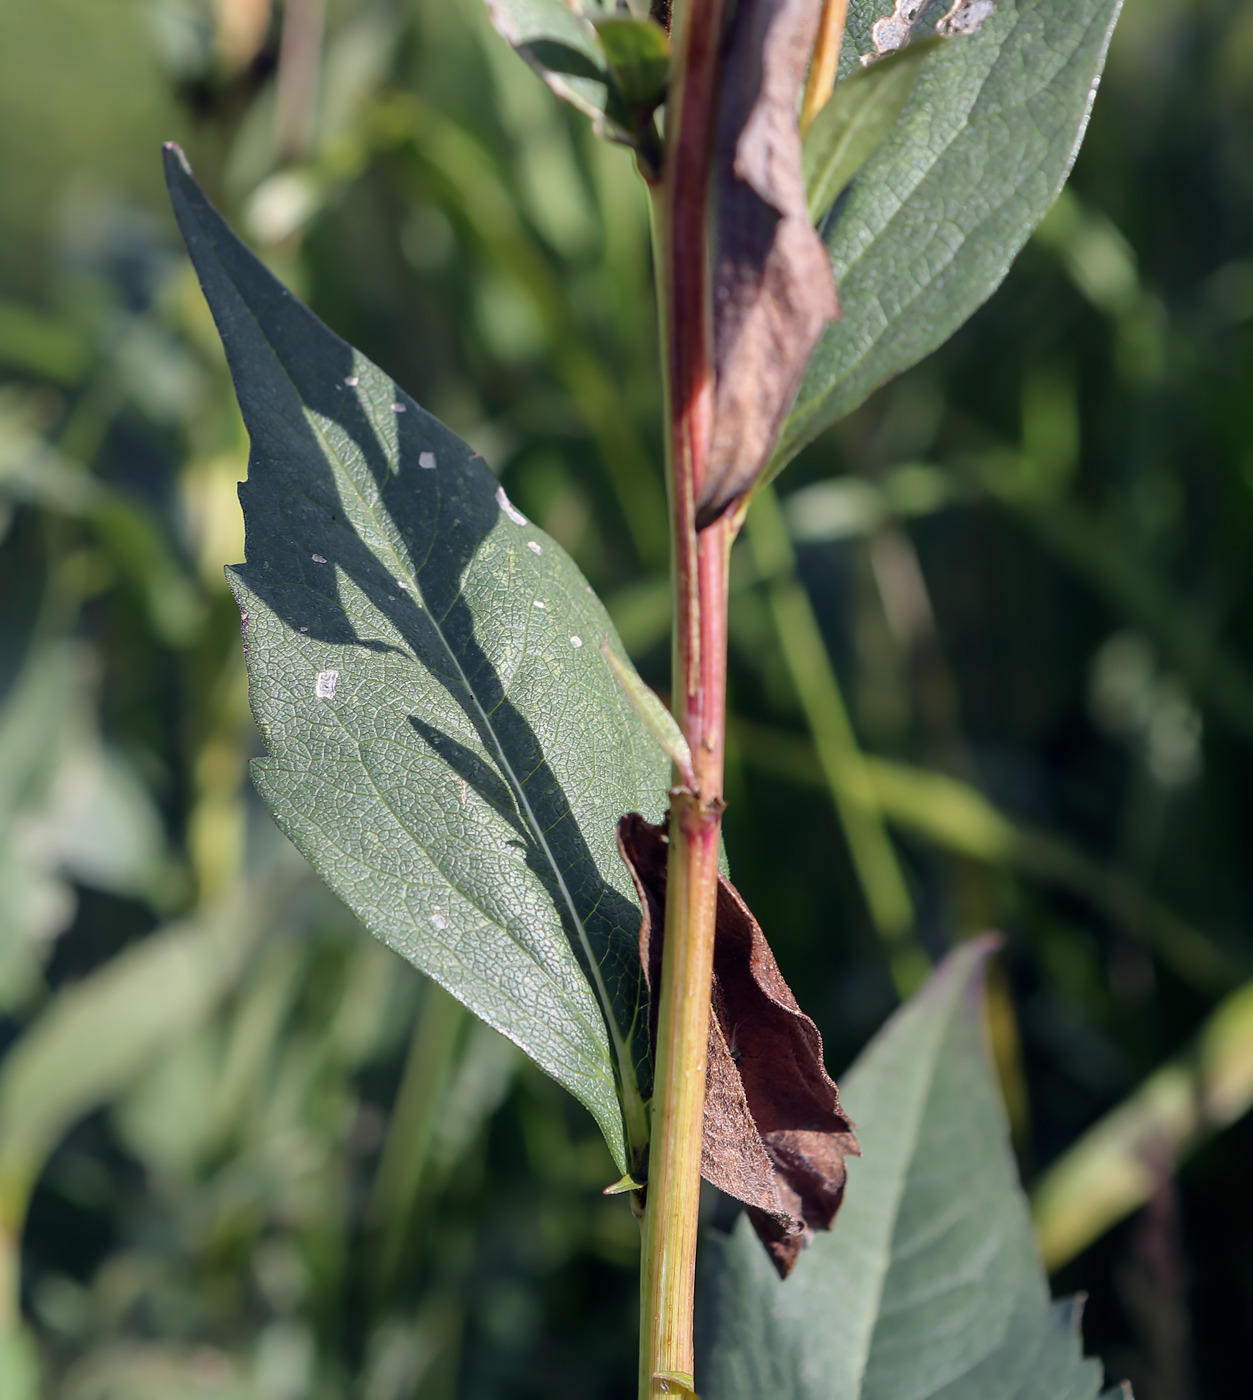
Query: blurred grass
(991,666)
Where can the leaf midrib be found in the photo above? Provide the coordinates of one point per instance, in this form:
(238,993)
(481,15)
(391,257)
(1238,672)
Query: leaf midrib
(909,1156)
(624,1064)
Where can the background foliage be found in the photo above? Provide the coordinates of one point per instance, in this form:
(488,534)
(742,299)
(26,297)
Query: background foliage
(248,1153)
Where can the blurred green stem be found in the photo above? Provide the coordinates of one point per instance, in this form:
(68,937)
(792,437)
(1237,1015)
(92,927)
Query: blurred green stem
(406,1151)
(1117,1164)
(841,760)
(299,73)
(958,818)
(10,1275)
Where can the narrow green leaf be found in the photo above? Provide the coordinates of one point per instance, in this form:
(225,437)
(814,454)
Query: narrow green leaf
(929,1284)
(638,54)
(1107,1174)
(610,65)
(560,42)
(446,743)
(97,1036)
(648,705)
(19,1365)
(860,113)
(942,207)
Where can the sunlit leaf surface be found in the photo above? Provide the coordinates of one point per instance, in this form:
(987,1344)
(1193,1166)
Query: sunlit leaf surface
(929,1285)
(938,213)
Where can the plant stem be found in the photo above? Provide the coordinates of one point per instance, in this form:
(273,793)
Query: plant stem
(823,66)
(10,1279)
(699,580)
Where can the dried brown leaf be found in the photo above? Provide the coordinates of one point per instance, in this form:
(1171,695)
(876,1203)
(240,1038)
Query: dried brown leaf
(775,1136)
(773,288)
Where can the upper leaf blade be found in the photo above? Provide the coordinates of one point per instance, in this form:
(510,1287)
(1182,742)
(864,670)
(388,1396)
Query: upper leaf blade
(446,743)
(929,1284)
(939,212)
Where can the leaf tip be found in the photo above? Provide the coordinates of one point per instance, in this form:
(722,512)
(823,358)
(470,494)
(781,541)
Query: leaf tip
(175,160)
(622,1186)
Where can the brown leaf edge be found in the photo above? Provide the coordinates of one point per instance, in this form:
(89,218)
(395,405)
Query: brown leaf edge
(775,1135)
(774,291)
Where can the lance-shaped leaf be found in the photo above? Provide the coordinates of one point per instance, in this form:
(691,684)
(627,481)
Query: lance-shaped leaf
(446,743)
(773,290)
(775,1136)
(937,215)
(929,1287)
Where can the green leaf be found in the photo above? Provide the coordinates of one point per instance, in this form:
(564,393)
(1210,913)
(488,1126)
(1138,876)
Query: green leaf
(929,1285)
(859,114)
(638,55)
(1106,1175)
(611,66)
(98,1035)
(562,45)
(939,211)
(447,745)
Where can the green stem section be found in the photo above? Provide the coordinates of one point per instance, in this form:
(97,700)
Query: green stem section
(10,1276)
(699,580)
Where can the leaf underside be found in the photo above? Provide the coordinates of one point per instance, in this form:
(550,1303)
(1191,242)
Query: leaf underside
(930,226)
(446,743)
(929,1287)
(561,43)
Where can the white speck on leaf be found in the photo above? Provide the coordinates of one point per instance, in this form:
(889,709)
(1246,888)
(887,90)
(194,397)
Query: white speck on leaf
(400,583)
(438,920)
(304,629)
(391,597)
(537,604)
(576,641)
(317,558)
(426,460)
(324,686)
(966,17)
(352,381)
(509,508)
(398,408)
(533,547)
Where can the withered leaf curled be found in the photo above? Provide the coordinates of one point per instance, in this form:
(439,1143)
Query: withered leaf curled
(775,1136)
(773,288)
